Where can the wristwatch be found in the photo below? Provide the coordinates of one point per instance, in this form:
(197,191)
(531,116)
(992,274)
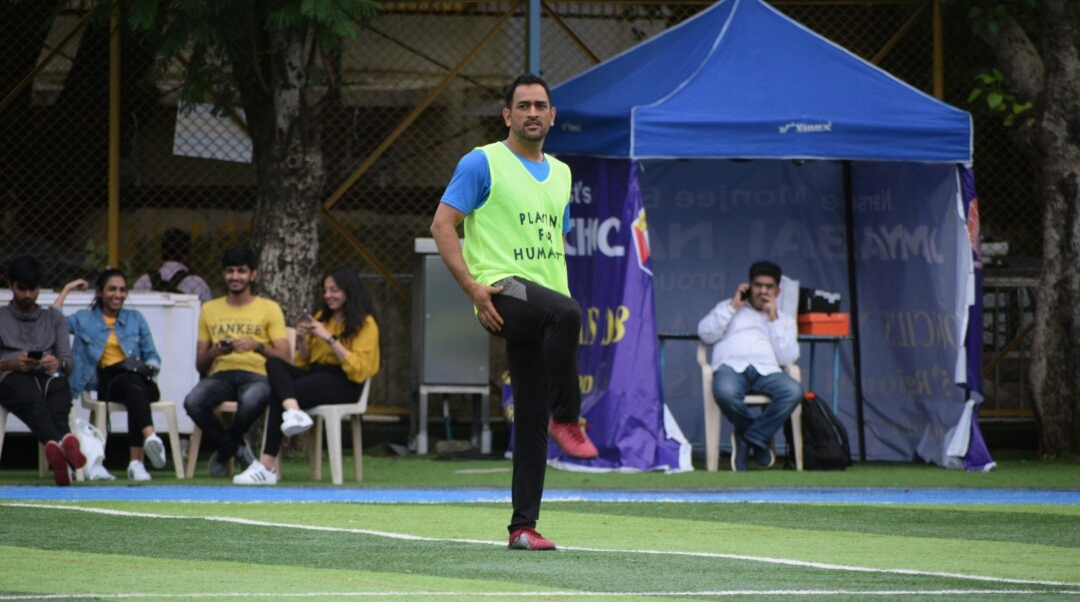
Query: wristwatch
(261,348)
(332,339)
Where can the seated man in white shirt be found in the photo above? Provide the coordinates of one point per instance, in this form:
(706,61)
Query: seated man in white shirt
(751,340)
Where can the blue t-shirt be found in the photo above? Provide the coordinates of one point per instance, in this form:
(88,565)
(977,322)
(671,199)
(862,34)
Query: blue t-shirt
(469,188)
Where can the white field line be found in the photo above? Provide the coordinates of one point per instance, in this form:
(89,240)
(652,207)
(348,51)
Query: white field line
(560,594)
(403,536)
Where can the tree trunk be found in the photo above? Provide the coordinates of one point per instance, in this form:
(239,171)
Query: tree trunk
(289,161)
(1055,357)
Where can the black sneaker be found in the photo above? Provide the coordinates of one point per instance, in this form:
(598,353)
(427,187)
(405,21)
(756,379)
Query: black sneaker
(218,466)
(764,456)
(244,457)
(739,453)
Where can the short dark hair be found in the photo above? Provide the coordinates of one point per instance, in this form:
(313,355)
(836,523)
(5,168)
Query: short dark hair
(525,79)
(240,256)
(765,268)
(175,245)
(25,271)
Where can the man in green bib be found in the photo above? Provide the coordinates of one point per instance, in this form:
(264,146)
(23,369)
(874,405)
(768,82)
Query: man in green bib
(515,202)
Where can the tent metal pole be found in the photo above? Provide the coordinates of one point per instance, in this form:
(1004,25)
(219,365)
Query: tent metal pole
(534,37)
(856,351)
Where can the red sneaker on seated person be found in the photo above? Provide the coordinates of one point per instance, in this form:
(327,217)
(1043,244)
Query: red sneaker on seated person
(59,463)
(72,451)
(571,438)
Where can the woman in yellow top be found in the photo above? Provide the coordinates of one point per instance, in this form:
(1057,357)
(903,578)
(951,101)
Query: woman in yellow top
(337,350)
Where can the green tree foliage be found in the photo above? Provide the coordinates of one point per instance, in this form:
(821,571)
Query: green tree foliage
(262,56)
(224,45)
(990,86)
(993,19)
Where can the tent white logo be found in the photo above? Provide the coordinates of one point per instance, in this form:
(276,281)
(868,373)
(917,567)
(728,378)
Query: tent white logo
(806,128)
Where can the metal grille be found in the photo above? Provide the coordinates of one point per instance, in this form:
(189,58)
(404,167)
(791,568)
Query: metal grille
(420,87)
(53,183)
(1011,232)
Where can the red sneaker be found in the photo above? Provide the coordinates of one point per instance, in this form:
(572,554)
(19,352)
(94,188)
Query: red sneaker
(59,463)
(526,538)
(74,455)
(571,437)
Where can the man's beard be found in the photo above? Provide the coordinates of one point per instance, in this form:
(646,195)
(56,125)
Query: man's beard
(525,135)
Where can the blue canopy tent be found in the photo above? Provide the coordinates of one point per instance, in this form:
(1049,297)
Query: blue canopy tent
(753,137)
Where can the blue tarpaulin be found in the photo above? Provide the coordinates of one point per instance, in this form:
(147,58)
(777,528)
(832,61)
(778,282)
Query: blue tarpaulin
(742,80)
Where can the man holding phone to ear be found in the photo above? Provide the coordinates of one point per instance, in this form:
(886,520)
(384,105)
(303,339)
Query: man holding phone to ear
(237,333)
(751,339)
(35,358)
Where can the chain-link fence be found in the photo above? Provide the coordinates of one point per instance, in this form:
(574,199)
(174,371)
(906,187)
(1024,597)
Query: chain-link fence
(420,86)
(1011,232)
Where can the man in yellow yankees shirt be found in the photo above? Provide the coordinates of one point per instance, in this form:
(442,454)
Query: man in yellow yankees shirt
(237,333)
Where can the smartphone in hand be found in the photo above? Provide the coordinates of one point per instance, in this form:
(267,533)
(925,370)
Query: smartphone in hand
(35,355)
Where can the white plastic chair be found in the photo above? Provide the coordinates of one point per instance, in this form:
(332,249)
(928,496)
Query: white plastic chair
(230,407)
(99,415)
(331,416)
(713,415)
(195,440)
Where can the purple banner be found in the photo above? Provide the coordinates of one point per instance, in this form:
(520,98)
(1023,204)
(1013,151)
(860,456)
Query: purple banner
(611,278)
(978,457)
(973,341)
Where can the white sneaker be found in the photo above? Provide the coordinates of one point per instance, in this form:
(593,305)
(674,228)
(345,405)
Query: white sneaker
(294,422)
(154,450)
(97,472)
(137,472)
(256,474)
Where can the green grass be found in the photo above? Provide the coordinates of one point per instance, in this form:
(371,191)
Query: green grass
(625,549)
(608,551)
(1014,471)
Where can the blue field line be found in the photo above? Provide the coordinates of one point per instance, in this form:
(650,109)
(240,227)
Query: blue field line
(199,493)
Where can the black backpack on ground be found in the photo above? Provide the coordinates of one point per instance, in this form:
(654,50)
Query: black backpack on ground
(171,285)
(825,440)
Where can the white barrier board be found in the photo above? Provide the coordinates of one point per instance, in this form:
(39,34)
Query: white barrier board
(174,322)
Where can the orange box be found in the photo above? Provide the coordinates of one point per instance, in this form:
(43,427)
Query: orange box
(838,324)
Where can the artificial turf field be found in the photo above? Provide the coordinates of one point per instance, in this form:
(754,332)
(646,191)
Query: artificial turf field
(59,549)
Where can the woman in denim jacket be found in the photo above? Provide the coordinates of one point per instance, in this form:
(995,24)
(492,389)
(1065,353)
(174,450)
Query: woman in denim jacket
(107,338)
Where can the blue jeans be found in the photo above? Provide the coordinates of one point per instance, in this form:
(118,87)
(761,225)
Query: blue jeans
(731,387)
(250,390)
